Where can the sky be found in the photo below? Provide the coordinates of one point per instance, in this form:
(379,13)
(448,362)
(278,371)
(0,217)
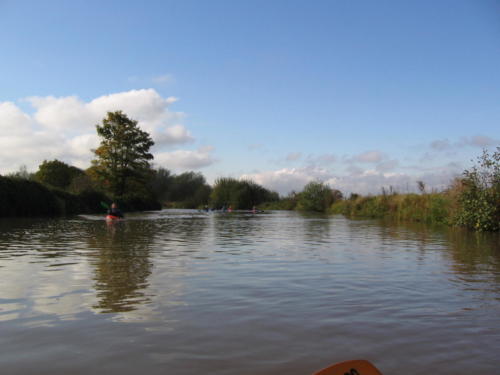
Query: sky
(357,94)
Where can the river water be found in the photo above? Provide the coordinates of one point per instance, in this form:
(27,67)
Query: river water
(184,292)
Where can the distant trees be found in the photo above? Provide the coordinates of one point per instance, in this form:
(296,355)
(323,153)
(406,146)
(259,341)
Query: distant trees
(122,159)
(161,183)
(57,174)
(318,197)
(190,189)
(239,194)
(21,174)
(185,190)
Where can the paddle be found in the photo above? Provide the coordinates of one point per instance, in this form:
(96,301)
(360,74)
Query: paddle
(105,205)
(355,367)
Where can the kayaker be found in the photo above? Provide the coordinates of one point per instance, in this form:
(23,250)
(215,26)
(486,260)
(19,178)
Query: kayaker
(115,211)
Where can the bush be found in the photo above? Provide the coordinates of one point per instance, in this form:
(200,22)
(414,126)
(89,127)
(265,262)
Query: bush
(479,195)
(317,196)
(20,197)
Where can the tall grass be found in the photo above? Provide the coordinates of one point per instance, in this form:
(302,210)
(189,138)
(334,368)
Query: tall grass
(426,208)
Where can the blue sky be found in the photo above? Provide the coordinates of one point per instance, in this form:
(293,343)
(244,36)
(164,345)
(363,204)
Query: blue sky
(359,94)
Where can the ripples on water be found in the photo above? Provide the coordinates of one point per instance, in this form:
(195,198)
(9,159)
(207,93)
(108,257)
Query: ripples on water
(183,292)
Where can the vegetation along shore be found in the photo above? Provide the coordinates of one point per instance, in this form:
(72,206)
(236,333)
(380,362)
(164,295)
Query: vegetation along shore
(122,171)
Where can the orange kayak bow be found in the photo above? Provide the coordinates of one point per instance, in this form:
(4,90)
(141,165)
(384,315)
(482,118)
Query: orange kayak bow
(355,367)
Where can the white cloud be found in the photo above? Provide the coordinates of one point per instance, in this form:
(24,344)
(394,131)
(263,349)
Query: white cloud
(172,135)
(61,114)
(185,159)
(13,122)
(64,127)
(357,180)
(288,179)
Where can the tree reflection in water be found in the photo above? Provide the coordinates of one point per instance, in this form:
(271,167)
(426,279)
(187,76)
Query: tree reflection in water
(122,266)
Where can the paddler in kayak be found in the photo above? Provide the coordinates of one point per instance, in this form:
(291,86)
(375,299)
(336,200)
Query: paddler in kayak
(115,212)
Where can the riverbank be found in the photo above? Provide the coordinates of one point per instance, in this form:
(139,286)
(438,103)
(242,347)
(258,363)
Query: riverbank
(27,198)
(436,208)
(457,206)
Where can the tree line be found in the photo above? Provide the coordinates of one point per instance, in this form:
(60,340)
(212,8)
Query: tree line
(122,171)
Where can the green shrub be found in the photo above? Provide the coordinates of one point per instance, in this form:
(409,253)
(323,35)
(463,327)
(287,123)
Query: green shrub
(316,196)
(479,195)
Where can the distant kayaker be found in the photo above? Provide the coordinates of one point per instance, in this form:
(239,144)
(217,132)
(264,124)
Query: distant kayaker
(115,211)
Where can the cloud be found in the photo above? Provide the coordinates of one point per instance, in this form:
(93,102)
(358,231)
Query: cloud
(173,135)
(185,159)
(321,160)
(288,179)
(369,157)
(164,78)
(357,180)
(480,141)
(293,156)
(387,165)
(13,121)
(441,145)
(64,127)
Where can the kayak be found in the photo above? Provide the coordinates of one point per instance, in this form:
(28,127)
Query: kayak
(356,367)
(112,218)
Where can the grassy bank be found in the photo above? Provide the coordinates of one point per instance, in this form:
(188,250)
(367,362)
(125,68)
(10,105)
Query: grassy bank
(436,208)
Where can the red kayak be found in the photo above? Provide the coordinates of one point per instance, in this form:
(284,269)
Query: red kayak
(112,218)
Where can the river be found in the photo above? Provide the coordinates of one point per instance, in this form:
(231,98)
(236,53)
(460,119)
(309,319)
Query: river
(185,292)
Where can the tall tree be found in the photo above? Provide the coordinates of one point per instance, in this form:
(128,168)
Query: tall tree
(123,155)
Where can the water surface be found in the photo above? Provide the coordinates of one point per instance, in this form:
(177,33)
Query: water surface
(183,292)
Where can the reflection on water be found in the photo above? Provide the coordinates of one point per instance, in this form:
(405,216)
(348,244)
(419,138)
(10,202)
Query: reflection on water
(240,293)
(122,266)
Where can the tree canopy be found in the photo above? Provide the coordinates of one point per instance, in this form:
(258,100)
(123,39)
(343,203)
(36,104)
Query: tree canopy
(240,194)
(57,173)
(317,196)
(123,156)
